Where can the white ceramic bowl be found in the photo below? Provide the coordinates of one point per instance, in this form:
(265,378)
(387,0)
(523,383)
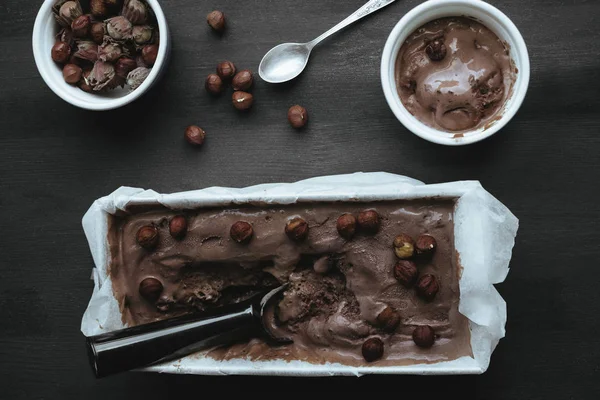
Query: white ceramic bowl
(489,16)
(44,31)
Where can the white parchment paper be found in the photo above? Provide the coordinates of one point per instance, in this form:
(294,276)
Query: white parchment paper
(484,231)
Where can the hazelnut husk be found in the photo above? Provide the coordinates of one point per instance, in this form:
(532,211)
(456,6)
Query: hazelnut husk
(368,222)
(346,226)
(61,52)
(372,349)
(297,116)
(81,26)
(195,135)
(72,73)
(147,237)
(178,227)
(214,84)
(226,70)
(425,246)
(388,319)
(216,20)
(97,32)
(424,336)
(242,101)
(406,272)
(297,229)
(150,289)
(404,246)
(241,232)
(436,50)
(428,286)
(124,66)
(149,54)
(243,80)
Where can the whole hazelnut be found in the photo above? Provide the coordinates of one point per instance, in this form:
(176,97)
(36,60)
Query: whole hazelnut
(241,232)
(72,73)
(427,287)
(226,70)
(297,229)
(372,349)
(213,84)
(149,54)
(195,135)
(242,100)
(147,237)
(424,336)
(368,222)
(404,246)
(81,26)
(406,272)
(243,80)
(346,226)
(436,50)
(297,116)
(388,319)
(97,32)
(151,289)
(426,245)
(124,66)
(216,20)
(61,52)
(83,84)
(178,227)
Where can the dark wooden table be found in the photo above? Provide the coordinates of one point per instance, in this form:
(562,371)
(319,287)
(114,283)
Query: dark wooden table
(55,160)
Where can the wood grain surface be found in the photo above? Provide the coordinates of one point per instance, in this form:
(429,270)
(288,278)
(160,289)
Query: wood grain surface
(55,160)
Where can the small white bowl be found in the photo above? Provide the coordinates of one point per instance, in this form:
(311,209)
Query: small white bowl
(489,16)
(44,32)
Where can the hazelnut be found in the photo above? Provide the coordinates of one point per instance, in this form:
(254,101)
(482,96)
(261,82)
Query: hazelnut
(147,236)
(226,70)
(297,229)
(404,246)
(424,336)
(151,289)
(323,265)
(124,66)
(83,85)
(61,52)
(346,226)
(72,73)
(178,227)
(149,54)
(213,84)
(426,245)
(372,349)
(297,116)
(81,26)
(195,135)
(243,80)
(241,232)
(242,100)
(368,221)
(436,50)
(216,20)
(388,319)
(427,287)
(406,273)
(97,32)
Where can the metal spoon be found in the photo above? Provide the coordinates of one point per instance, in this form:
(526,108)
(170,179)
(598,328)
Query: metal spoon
(286,61)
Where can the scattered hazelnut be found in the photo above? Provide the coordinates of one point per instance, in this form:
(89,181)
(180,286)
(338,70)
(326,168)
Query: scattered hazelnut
(178,227)
(372,349)
(426,245)
(147,236)
(297,229)
(61,52)
(424,336)
(97,32)
(149,54)
(213,84)
(195,135)
(428,286)
(216,20)
(243,80)
(388,319)
(124,66)
(346,226)
(83,85)
(404,246)
(406,273)
(323,265)
(226,70)
(81,26)
(436,50)
(242,100)
(368,221)
(297,116)
(72,73)
(241,232)
(151,289)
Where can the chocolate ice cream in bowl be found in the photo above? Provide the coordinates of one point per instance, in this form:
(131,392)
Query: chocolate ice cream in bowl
(455,72)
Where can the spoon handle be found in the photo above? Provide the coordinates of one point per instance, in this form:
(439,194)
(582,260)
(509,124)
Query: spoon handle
(369,8)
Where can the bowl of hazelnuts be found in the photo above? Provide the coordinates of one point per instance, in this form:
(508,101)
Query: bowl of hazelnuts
(100,54)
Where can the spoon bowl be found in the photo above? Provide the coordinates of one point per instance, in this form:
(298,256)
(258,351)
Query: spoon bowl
(284,62)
